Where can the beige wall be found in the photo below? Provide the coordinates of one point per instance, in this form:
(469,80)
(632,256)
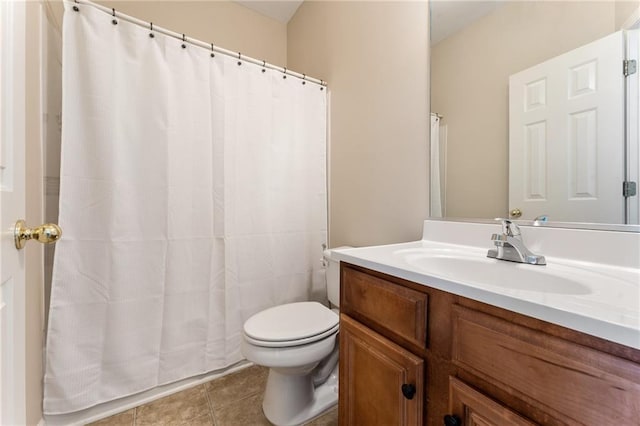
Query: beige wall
(469,87)
(375,57)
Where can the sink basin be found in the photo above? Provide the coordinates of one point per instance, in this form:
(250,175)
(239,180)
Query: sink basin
(580,293)
(477,268)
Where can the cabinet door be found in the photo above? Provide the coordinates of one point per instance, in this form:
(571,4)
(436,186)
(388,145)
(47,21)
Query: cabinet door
(472,408)
(380,382)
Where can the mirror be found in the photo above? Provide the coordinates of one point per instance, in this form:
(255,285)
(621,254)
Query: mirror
(529,123)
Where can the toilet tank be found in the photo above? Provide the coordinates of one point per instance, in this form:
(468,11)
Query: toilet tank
(333,275)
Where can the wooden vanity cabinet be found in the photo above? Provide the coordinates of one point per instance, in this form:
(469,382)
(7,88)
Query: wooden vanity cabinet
(471,364)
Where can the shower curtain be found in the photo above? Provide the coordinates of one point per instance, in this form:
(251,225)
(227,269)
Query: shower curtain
(192,195)
(436,181)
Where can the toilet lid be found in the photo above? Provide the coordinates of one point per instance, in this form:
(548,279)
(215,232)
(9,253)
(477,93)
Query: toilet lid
(291,323)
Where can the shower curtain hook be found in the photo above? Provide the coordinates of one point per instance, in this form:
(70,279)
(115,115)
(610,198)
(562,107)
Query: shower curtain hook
(285,72)
(151,28)
(213,55)
(264,64)
(113,12)
(239,58)
(321,85)
(304,77)
(184,40)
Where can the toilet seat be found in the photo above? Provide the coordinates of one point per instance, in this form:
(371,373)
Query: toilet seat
(292,324)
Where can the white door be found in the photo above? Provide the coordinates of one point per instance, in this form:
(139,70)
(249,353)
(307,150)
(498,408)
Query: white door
(12,207)
(566,135)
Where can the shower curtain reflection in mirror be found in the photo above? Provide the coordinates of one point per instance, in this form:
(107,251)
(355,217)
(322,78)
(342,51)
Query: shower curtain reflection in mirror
(438,165)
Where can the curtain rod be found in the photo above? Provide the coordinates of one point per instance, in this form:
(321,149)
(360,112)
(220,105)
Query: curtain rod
(209,46)
(437,115)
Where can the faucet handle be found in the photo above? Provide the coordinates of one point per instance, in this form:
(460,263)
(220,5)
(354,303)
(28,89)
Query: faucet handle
(509,228)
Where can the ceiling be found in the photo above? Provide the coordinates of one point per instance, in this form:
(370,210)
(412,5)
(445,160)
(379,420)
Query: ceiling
(447,16)
(279,10)
(450,16)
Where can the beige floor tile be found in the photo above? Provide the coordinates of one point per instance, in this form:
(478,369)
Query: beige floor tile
(179,408)
(239,385)
(328,419)
(122,419)
(206,420)
(246,412)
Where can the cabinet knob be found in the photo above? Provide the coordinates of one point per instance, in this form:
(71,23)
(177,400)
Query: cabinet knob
(452,420)
(408,390)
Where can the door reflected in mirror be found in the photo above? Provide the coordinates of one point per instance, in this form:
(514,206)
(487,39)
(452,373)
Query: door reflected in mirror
(532,114)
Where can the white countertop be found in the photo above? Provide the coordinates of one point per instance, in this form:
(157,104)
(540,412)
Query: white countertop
(594,298)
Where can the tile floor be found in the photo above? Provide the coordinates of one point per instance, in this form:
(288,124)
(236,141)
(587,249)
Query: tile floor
(232,400)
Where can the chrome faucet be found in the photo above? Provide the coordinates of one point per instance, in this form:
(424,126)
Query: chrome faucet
(509,246)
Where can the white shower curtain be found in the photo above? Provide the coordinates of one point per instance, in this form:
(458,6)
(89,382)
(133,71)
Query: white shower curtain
(436,181)
(192,195)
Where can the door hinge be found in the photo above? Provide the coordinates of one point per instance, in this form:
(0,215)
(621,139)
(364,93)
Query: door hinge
(629,189)
(629,66)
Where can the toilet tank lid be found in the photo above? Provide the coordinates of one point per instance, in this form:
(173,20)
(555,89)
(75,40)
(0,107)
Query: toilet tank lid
(328,253)
(292,321)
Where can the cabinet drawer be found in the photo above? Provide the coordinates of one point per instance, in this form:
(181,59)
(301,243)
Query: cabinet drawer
(475,408)
(385,306)
(570,382)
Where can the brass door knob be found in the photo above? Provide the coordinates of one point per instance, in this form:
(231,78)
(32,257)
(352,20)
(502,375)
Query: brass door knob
(515,213)
(46,234)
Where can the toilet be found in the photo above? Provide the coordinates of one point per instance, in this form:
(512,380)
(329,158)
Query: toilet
(298,342)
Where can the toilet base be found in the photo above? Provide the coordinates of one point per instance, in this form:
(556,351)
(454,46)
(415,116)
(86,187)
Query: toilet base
(304,402)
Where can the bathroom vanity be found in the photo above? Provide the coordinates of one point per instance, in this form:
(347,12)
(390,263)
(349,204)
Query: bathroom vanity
(423,347)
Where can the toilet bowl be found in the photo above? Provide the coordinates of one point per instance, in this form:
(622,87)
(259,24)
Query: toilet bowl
(298,342)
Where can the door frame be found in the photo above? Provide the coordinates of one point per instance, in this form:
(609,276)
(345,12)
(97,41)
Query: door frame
(12,204)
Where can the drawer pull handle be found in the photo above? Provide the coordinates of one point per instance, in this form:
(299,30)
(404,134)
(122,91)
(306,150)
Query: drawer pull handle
(452,420)
(408,391)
